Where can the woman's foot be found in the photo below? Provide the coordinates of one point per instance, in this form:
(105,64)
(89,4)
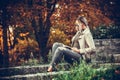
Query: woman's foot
(50,69)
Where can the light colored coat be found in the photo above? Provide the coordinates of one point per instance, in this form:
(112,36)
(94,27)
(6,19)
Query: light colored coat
(85,42)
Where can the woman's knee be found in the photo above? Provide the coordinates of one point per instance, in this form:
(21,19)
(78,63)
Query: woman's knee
(56,44)
(61,48)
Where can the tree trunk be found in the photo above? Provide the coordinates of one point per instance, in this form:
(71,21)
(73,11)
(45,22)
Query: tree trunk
(43,41)
(5,48)
(42,38)
(5,44)
(42,35)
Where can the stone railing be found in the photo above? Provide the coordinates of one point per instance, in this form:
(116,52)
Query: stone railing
(107,50)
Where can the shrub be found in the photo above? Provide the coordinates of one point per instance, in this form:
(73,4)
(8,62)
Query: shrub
(57,35)
(88,72)
(103,32)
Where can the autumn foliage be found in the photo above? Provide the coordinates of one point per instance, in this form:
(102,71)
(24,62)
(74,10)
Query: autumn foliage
(30,17)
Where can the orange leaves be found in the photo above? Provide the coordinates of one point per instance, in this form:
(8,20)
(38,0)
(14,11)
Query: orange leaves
(57,36)
(91,9)
(0,32)
(24,44)
(24,34)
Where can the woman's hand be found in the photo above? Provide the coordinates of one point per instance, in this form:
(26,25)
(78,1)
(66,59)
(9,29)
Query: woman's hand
(75,49)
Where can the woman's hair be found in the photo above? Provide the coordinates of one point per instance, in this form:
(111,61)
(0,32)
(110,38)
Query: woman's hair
(83,20)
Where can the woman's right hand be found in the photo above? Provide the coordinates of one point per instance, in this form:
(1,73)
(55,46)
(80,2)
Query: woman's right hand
(75,49)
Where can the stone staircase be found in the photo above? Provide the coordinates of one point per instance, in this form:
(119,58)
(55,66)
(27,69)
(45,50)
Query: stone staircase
(105,48)
(38,72)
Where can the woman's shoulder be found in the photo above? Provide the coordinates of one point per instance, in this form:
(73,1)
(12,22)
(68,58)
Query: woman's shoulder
(87,31)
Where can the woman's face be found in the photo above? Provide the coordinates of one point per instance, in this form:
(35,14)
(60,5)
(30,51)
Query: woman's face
(78,25)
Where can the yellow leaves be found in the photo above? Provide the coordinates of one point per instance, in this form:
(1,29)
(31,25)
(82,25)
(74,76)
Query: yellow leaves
(67,41)
(58,36)
(23,44)
(24,34)
(1,39)
(0,31)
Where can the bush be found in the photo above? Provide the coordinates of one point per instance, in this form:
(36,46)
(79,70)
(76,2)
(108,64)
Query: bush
(88,72)
(57,35)
(106,32)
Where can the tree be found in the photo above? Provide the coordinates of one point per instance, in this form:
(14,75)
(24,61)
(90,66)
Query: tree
(44,24)
(38,16)
(35,14)
(3,8)
(4,18)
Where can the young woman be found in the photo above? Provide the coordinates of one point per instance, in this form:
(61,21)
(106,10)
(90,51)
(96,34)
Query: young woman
(81,48)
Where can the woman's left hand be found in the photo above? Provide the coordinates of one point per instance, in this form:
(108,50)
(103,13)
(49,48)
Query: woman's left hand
(75,49)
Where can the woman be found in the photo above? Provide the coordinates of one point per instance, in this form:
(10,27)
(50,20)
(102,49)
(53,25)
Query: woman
(82,45)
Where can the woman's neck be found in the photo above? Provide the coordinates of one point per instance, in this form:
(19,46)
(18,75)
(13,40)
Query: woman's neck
(84,27)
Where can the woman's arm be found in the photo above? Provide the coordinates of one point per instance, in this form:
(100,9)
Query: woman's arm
(90,43)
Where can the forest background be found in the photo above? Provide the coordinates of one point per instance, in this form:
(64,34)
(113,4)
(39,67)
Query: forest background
(28,28)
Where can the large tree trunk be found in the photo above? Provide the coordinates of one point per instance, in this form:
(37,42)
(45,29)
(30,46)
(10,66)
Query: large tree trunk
(42,34)
(5,48)
(42,38)
(5,44)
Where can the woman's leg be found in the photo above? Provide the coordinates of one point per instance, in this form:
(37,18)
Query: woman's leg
(55,46)
(60,51)
(68,60)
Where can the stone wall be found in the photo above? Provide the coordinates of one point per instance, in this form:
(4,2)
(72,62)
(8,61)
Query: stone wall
(107,50)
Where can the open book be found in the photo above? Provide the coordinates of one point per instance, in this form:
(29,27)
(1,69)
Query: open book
(68,47)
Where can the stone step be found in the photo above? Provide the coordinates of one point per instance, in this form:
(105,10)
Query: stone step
(43,75)
(107,58)
(37,76)
(22,70)
(117,57)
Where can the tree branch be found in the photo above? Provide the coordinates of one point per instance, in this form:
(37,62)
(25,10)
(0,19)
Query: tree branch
(51,7)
